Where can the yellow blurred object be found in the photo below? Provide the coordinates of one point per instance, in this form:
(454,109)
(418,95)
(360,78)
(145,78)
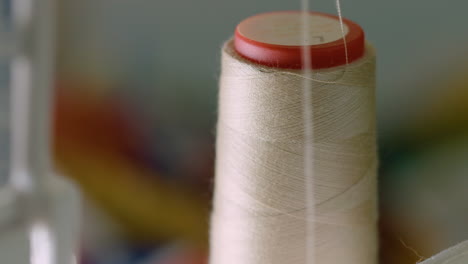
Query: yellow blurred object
(151,210)
(445,111)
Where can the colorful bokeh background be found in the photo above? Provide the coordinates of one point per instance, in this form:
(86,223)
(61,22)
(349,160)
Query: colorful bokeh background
(136,95)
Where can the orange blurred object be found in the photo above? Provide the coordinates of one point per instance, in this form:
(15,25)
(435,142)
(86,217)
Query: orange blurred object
(92,142)
(83,118)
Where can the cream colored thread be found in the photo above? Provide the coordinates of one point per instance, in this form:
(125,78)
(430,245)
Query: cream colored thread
(340,17)
(421,258)
(260,211)
(308,150)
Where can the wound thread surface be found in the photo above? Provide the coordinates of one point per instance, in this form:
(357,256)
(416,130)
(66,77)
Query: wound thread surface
(260,203)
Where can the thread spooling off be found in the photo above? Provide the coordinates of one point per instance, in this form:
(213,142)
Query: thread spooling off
(260,212)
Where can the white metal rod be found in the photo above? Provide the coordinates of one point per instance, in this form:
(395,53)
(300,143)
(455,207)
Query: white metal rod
(31,92)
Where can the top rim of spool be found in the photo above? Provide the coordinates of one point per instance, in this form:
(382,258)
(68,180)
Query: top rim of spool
(326,55)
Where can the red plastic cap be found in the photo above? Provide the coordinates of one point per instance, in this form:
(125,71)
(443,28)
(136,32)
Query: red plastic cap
(274,39)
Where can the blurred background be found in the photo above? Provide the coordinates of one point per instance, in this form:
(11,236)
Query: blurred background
(136,102)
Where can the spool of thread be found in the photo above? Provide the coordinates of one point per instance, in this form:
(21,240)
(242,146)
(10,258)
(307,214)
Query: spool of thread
(261,212)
